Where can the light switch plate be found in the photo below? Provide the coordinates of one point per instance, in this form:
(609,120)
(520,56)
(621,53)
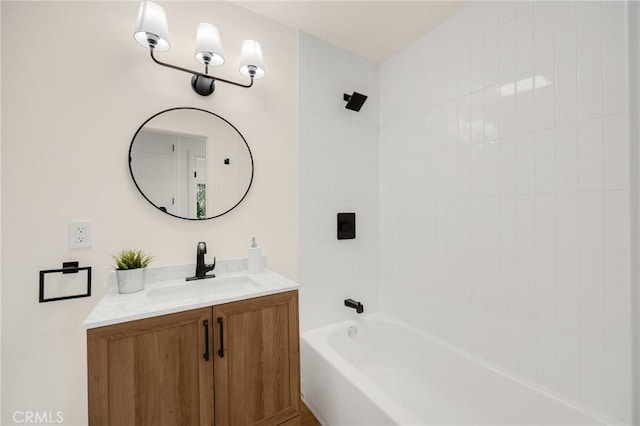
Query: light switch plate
(80,235)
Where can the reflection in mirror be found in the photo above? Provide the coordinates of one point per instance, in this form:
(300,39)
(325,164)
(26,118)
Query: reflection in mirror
(191,163)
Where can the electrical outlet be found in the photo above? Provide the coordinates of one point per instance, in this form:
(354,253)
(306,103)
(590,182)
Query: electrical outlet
(80,234)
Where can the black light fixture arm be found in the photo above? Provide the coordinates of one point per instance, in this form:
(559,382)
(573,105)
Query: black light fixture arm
(197,75)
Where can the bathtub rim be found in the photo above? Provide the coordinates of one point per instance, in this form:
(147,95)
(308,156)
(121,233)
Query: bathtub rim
(370,390)
(317,339)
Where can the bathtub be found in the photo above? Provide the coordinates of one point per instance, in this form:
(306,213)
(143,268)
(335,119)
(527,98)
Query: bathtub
(378,371)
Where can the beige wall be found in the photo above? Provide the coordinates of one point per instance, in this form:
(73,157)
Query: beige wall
(76,87)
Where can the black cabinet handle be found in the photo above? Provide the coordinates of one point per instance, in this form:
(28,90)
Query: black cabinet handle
(205,323)
(221,325)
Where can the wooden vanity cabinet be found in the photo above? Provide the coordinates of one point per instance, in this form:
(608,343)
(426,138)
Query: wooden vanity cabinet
(151,372)
(161,372)
(257,374)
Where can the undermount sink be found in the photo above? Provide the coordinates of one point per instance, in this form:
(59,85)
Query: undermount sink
(195,289)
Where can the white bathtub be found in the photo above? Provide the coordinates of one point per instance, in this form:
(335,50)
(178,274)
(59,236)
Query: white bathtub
(390,373)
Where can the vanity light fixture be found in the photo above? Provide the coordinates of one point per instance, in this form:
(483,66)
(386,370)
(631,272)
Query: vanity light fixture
(152,32)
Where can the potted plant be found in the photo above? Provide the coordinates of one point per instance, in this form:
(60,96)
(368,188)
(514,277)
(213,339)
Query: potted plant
(130,269)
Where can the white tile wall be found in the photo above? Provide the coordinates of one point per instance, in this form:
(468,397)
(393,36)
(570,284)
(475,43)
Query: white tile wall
(492,187)
(338,172)
(504,191)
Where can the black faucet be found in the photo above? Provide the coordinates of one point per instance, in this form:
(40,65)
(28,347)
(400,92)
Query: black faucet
(350,303)
(201,267)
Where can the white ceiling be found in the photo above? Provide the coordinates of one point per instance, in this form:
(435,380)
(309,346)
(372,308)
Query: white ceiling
(372,29)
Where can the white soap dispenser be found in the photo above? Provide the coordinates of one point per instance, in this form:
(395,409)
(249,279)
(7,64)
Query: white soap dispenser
(255,257)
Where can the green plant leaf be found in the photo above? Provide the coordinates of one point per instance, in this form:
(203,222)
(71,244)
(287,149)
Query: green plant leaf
(131,259)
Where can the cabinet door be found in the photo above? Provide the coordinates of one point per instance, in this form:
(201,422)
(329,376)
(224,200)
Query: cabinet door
(152,371)
(257,360)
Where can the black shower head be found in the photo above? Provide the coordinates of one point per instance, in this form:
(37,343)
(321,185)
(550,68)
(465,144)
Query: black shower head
(355,101)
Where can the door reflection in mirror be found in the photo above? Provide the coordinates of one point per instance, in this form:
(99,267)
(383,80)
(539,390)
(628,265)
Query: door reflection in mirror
(172,170)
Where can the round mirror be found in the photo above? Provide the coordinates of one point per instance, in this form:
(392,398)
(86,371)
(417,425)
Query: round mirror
(191,163)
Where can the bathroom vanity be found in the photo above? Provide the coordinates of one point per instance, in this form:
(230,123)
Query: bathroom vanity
(222,351)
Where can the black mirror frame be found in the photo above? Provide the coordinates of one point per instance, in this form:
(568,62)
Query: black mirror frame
(215,115)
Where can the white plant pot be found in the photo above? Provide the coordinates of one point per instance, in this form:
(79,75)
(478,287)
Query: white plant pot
(130,280)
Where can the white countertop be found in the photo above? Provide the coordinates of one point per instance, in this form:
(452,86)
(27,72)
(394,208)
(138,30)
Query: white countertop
(176,295)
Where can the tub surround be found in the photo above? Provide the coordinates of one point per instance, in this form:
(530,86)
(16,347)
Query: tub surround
(167,292)
(500,207)
(338,172)
(504,192)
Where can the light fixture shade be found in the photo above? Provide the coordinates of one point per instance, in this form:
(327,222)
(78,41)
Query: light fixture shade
(251,57)
(152,21)
(208,44)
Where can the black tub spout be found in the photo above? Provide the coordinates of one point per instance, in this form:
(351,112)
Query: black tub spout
(350,303)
